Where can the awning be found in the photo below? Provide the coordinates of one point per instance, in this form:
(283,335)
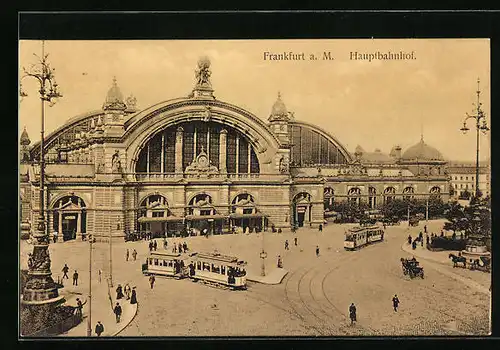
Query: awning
(246,216)
(159,219)
(205,217)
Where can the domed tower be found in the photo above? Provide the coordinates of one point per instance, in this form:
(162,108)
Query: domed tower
(25,149)
(278,121)
(114,107)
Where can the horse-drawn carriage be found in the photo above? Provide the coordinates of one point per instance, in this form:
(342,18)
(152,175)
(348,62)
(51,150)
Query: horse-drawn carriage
(411,267)
(481,263)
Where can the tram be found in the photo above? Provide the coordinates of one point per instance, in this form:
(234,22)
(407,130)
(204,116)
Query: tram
(164,264)
(217,269)
(210,268)
(360,236)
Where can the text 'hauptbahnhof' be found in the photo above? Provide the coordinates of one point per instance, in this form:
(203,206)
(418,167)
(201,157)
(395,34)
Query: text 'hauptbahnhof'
(198,162)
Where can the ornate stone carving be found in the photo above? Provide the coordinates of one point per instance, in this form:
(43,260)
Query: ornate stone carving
(207,115)
(201,165)
(203,73)
(116,166)
(283,166)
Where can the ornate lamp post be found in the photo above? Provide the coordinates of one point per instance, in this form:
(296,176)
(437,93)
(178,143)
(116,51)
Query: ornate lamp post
(480,118)
(40,292)
(263,256)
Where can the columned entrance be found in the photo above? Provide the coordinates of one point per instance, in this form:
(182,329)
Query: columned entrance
(244,217)
(69,218)
(301,209)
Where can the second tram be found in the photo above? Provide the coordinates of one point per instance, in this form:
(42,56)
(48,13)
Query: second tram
(361,236)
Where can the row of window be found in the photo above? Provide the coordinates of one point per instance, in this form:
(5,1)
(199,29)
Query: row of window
(466,178)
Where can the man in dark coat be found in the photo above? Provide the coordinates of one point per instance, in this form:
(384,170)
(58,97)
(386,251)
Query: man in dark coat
(409,239)
(352,313)
(99,328)
(320,228)
(286,245)
(395,302)
(152,281)
(155,245)
(134,254)
(317,250)
(118,312)
(180,247)
(65,270)
(295,240)
(75,278)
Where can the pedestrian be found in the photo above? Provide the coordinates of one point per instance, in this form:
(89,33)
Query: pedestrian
(180,247)
(352,313)
(427,240)
(54,236)
(174,249)
(280,262)
(317,251)
(384,225)
(185,246)
(75,278)
(395,302)
(155,245)
(127,291)
(100,274)
(425,228)
(421,242)
(150,244)
(127,255)
(165,243)
(442,233)
(286,244)
(119,292)
(152,281)
(320,227)
(79,307)
(133,297)
(134,254)
(99,328)
(295,241)
(118,312)
(409,239)
(65,270)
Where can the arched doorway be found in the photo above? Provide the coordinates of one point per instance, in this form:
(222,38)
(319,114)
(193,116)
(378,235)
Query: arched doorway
(154,216)
(244,214)
(408,193)
(202,218)
(435,193)
(69,218)
(354,195)
(328,198)
(301,209)
(389,194)
(372,197)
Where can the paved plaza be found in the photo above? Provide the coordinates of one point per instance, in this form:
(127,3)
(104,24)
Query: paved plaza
(312,300)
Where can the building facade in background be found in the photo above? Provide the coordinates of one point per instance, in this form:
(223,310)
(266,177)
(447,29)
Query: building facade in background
(199,163)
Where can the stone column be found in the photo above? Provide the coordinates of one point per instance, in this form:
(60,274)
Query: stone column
(79,221)
(60,236)
(222,151)
(178,150)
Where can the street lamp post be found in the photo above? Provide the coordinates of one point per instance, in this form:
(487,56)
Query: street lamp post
(263,256)
(479,117)
(40,289)
(89,320)
(110,258)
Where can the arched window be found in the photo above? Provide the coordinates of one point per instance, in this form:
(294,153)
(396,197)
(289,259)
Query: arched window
(328,197)
(154,206)
(408,193)
(389,194)
(158,154)
(435,192)
(372,199)
(201,204)
(354,195)
(69,217)
(243,203)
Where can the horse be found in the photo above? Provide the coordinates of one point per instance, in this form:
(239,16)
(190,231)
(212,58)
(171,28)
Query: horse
(457,259)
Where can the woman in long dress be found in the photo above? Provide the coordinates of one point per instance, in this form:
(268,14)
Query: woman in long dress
(133,298)
(119,292)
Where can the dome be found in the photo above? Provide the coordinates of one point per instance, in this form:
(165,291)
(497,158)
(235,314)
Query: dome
(421,151)
(114,98)
(279,109)
(25,140)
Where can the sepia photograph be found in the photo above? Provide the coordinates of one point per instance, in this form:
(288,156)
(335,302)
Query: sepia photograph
(256,188)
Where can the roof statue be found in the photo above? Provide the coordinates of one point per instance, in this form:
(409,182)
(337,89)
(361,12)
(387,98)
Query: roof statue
(114,98)
(422,152)
(279,110)
(131,103)
(25,140)
(203,72)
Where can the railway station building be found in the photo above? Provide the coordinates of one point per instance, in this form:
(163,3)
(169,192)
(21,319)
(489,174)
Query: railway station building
(198,162)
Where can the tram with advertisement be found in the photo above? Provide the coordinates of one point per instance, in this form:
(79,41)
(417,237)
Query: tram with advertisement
(210,268)
(358,237)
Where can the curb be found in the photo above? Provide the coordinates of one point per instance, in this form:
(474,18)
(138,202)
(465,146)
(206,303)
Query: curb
(135,306)
(467,281)
(269,283)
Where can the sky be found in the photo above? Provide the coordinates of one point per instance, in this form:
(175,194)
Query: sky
(375,104)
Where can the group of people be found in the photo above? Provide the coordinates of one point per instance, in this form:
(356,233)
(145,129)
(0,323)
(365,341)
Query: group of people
(65,271)
(134,255)
(181,247)
(420,239)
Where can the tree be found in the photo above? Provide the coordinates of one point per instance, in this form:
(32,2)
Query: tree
(456,218)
